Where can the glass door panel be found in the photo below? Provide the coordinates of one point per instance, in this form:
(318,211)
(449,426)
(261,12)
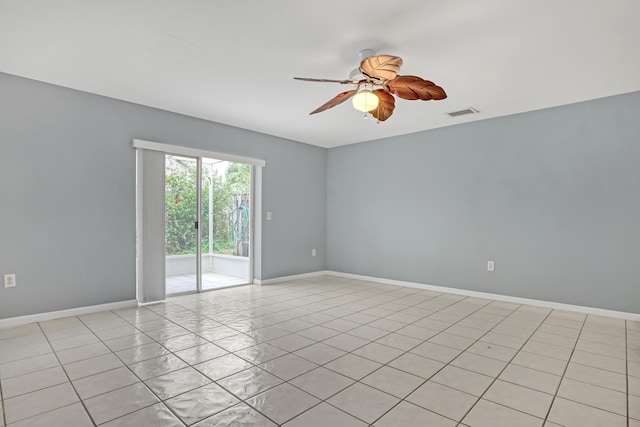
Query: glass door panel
(181,216)
(226,189)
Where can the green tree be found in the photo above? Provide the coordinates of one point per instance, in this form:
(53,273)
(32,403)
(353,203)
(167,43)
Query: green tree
(180,202)
(238,178)
(180,207)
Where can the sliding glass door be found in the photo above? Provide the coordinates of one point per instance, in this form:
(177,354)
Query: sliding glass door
(207,223)
(194,219)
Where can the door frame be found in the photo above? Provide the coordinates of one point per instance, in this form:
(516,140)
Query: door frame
(254,197)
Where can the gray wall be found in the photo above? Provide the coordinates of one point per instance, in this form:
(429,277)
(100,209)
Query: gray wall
(552,196)
(67,194)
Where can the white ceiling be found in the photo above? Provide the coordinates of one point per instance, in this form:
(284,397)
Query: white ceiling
(233,61)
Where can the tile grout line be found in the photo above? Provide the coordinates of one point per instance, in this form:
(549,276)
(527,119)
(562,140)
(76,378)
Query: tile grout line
(290,332)
(411,323)
(124,365)
(172,321)
(231,304)
(553,399)
(626,365)
(346,352)
(382,364)
(112,352)
(171,352)
(4,410)
(449,363)
(594,385)
(349,352)
(505,367)
(65,372)
(161,401)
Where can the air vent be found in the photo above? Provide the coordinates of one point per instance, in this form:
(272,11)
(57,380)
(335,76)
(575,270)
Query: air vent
(469,110)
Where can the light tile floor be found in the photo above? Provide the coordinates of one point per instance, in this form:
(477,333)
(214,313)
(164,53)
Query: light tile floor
(323,352)
(187,282)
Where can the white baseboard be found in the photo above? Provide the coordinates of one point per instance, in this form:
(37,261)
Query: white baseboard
(144,304)
(41,317)
(51,315)
(497,297)
(290,278)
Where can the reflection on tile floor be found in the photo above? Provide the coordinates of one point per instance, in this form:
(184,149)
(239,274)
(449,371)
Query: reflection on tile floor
(187,282)
(324,351)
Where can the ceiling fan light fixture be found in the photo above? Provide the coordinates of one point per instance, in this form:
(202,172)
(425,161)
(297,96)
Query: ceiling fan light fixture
(365,101)
(380,72)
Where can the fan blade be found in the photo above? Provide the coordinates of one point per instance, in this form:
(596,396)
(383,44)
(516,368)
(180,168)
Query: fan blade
(306,79)
(413,87)
(381,67)
(386,105)
(337,100)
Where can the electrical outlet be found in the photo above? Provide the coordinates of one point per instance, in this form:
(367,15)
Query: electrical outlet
(313,252)
(490,265)
(9,280)
(268,216)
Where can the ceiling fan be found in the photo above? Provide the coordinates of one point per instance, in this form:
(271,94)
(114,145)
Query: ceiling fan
(377,81)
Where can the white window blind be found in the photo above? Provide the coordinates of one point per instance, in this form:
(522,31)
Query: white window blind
(150,227)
